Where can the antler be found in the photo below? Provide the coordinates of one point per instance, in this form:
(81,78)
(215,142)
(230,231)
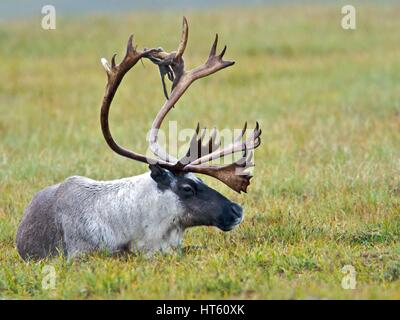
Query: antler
(233,175)
(172,65)
(115,74)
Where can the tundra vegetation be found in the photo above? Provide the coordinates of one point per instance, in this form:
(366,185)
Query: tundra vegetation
(326,191)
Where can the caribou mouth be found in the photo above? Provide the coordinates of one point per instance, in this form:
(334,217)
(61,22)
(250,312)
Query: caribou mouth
(232,226)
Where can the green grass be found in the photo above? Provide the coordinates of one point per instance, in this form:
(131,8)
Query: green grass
(326,191)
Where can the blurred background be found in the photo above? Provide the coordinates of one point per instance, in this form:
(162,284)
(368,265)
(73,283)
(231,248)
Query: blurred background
(326,188)
(10,9)
(24,8)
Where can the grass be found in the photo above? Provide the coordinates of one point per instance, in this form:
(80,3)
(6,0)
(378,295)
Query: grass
(326,191)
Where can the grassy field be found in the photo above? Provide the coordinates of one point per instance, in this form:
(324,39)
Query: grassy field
(326,191)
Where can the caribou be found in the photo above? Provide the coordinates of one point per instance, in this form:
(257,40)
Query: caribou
(150,212)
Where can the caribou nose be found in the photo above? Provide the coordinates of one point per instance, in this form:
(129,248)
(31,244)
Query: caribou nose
(237,210)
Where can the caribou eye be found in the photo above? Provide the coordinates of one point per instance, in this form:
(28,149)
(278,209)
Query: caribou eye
(187,189)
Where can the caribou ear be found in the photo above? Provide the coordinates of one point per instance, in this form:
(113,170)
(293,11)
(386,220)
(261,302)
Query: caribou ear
(160,175)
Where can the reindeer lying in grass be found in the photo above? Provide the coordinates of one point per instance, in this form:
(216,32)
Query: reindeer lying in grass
(149,212)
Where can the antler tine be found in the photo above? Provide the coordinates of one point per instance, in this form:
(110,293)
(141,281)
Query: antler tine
(255,136)
(129,46)
(191,152)
(184,39)
(131,58)
(213,49)
(214,62)
(212,142)
(239,138)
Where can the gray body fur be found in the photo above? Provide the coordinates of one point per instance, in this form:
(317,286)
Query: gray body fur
(81,215)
